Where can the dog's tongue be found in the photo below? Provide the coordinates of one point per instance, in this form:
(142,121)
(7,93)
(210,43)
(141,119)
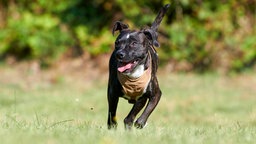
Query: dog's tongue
(124,67)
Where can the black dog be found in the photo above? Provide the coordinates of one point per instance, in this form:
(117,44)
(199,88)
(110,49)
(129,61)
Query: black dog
(132,72)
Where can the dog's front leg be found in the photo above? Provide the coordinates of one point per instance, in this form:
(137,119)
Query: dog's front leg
(152,103)
(140,103)
(112,106)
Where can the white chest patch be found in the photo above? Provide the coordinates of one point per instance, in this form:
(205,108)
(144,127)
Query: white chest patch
(128,35)
(138,71)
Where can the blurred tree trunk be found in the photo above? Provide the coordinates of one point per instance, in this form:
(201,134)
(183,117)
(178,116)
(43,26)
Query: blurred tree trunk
(3,13)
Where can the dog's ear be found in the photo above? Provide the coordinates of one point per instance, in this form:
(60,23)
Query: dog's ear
(119,26)
(152,37)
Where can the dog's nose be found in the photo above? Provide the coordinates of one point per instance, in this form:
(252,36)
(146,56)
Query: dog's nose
(120,55)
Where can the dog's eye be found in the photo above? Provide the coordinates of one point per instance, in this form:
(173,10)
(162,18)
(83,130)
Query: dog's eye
(134,43)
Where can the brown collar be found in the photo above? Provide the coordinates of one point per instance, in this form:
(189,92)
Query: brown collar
(135,87)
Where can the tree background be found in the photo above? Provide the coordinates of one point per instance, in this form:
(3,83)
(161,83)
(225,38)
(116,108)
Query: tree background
(196,35)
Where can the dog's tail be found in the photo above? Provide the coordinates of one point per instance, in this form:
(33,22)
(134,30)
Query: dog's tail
(159,17)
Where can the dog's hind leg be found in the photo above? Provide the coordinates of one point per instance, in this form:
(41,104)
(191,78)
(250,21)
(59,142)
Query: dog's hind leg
(140,103)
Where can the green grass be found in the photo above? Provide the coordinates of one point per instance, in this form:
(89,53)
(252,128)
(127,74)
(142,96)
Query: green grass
(193,109)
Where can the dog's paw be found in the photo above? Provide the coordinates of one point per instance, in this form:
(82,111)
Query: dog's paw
(112,126)
(128,123)
(140,124)
(128,126)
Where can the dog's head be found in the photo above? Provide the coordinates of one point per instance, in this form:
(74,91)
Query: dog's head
(132,46)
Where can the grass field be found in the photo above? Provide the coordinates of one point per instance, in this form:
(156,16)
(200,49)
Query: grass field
(205,109)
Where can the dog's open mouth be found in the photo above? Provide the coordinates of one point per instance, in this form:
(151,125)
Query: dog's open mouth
(126,66)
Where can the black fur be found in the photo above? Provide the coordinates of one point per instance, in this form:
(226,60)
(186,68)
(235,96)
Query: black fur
(134,46)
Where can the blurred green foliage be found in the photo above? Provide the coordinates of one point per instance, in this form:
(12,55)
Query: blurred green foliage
(205,35)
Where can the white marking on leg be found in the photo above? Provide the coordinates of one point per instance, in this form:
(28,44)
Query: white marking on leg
(145,125)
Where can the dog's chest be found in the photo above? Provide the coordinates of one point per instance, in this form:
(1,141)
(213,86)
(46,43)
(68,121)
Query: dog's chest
(135,87)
